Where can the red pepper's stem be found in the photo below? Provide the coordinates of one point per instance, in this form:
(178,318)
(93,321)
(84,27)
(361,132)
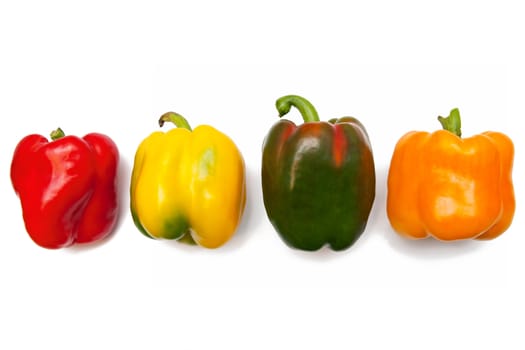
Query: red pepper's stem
(57,134)
(176,119)
(306,109)
(452,123)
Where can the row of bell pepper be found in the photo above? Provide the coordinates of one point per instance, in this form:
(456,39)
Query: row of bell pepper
(318,182)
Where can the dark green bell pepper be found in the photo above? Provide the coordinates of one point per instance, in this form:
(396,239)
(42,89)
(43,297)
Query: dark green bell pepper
(318,178)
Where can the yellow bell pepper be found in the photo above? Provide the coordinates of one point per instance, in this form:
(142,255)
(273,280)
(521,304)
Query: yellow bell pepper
(188,185)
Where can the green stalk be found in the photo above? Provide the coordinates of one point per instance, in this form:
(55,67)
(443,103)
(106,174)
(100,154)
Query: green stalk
(306,109)
(176,119)
(57,134)
(452,123)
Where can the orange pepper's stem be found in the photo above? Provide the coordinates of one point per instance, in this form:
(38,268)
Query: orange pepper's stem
(176,119)
(452,123)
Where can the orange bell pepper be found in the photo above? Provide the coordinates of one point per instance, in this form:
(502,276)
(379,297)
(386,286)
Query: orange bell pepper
(450,188)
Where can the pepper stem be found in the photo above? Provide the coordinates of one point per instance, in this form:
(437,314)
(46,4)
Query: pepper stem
(57,134)
(452,123)
(176,119)
(306,109)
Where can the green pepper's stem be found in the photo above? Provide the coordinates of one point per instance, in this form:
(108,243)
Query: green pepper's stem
(176,119)
(452,123)
(57,134)
(306,109)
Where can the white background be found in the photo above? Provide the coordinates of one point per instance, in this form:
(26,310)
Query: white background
(116,67)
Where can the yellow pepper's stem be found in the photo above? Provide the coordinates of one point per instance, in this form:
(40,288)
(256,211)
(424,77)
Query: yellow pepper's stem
(452,123)
(176,119)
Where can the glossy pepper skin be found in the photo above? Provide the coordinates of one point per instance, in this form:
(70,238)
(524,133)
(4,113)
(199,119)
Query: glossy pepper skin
(188,185)
(67,187)
(451,188)
(318,178)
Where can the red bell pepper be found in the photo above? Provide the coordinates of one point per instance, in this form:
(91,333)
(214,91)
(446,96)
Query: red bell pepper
(67,187)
